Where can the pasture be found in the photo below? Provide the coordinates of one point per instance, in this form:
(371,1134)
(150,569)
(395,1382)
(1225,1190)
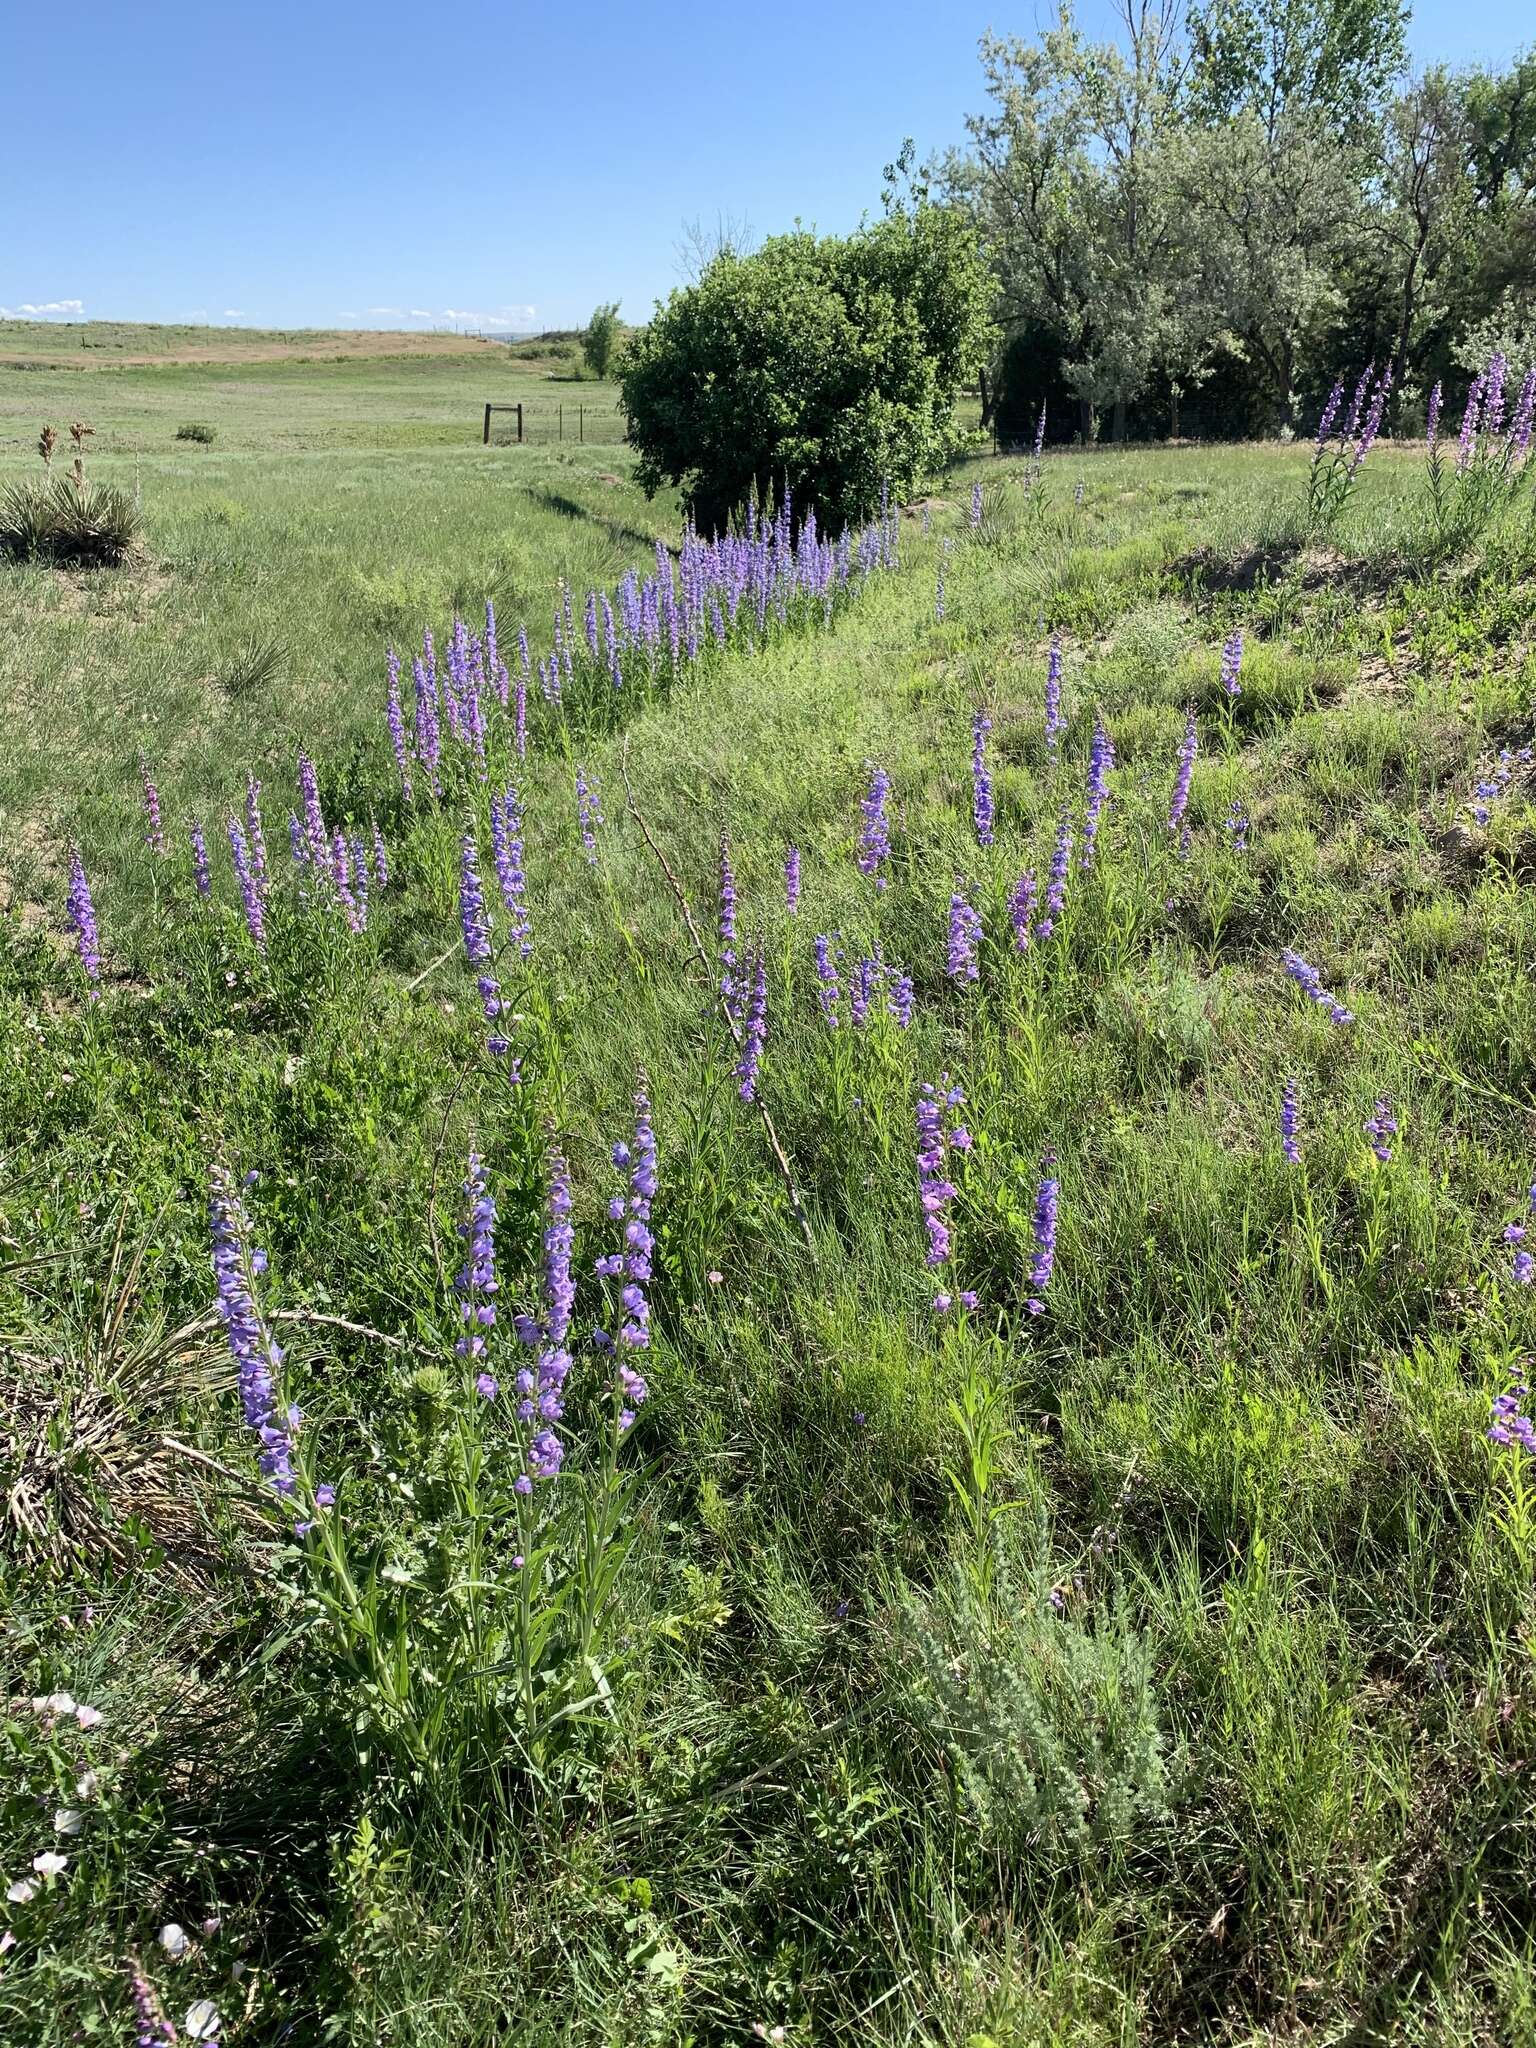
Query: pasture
(1057,1585)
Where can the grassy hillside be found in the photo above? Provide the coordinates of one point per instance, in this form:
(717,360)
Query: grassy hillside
(100,344)
(1152,1666)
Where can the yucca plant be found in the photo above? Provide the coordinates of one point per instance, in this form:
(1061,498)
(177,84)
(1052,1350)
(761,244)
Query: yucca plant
(68,519)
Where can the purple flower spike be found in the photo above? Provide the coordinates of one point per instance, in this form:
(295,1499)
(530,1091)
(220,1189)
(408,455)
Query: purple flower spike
(1021,909)
(507,858)
(1061,869)
(1381,1129)
(1047,1201)
(154,829)
(792,881)
(756,1034)
(875,831)
(475,1283)
(394,714)
(826,980)
(1186,770)
(962,961)
(1055,724)
(1232,664)
(202,879)
(983,808)
(588,813)
(1101,760)
(730,994)
(935,1190)
(1310,982)
(1289,1122)
(258,1360)
(82,915)
(251,899)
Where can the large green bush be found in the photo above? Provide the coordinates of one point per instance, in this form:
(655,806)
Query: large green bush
(830,364)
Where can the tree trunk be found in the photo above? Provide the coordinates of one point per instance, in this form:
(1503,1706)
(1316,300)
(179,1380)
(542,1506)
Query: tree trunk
(1085,420)
(988,400)
(1117,432)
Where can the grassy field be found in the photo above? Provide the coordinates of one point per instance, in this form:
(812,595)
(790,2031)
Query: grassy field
(1154,1667)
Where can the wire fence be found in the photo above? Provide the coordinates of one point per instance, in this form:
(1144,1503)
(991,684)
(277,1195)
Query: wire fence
(574,420)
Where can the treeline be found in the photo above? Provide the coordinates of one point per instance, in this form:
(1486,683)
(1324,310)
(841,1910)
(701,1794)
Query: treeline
(1193,226)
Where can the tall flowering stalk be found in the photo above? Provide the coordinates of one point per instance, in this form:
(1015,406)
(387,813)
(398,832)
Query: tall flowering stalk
(938,588)
(258,1360)
(792,881)
(154,828)
(827,990)
(1047,1203)
(82,915)
(1232,663)
(875,829)
(588,813)
(1490,468)
(1310,983)
(252,900)
(1184,775)
(542,1401)
(962,962)
(1101,760)
(394,717)
(1290,1117)
(730,994)
(507,858)
(936,1192)
(755,1035)
(1381,1128)
(1336,462)
(633,1264)
(475,924)
(1061,870)
(475,1283)
(975,506)
(983,806)
(1021,909)
(256,837)
(1055,724)
(202,878)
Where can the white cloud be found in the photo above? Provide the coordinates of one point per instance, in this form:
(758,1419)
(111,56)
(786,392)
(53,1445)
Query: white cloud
(232,313)
(48,310)
(384,313)
(421,313)
(497,322)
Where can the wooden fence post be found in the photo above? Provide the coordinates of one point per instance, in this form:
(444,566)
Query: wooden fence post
(487,426)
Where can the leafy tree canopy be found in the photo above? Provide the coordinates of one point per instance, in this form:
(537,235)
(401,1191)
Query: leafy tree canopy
(830,364)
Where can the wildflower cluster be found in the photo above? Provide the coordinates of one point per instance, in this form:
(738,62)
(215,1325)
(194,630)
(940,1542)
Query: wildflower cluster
(1339,452)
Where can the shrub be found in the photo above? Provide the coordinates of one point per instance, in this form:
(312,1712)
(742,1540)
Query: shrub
(832,366)
(68,519)
(196,430)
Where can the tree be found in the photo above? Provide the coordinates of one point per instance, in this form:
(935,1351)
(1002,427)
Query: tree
(1333,60)
(1064,180)
(598,338)
(828,365)
(1268,214)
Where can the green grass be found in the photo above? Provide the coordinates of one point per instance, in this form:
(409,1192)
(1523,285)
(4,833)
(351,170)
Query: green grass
(1154,1669)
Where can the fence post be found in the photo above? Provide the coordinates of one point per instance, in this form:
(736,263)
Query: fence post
(519,423)
(487,441)
(581,422)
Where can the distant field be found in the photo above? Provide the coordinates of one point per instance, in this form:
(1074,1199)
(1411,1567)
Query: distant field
(101,344)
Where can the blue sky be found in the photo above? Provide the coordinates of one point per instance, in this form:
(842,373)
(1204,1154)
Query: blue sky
(335,164)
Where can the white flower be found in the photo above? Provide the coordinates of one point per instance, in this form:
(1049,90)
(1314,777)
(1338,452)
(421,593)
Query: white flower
(88,1717)
(59,1703)
(211,1927)
(173,1939)
(22,1892)
(50,1863)
(87,1785)
(202,2021)
(7,1941)
(69,1820)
